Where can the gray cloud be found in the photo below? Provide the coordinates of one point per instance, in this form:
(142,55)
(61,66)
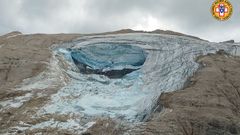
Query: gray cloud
(87,16)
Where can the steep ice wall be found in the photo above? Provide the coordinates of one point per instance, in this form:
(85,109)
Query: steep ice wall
(112,60)
(170,61)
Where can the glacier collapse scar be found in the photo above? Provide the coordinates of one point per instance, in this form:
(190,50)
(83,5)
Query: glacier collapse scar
(162,63)
(111,60)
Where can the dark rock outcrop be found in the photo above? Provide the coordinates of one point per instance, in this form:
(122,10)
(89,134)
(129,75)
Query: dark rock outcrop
(228,41)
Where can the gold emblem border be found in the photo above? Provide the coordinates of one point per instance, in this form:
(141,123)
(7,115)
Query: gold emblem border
(230,11)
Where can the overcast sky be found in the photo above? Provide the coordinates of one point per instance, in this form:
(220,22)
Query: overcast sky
(90,16)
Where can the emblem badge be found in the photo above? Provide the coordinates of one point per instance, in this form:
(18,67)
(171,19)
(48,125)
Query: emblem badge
(222,9)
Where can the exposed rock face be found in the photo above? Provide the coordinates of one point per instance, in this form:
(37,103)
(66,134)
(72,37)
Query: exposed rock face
(112,60)
(229,41)
(12,34)
(25,56)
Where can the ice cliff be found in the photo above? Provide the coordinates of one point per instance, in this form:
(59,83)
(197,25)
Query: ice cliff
(112,60)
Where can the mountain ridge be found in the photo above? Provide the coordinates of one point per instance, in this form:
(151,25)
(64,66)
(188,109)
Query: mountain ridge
(121,31)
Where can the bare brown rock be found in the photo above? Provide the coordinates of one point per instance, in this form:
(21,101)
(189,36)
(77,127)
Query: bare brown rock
(24,56)
(106,127)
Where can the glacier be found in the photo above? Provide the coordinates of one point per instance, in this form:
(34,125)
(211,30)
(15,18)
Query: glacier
(166,62)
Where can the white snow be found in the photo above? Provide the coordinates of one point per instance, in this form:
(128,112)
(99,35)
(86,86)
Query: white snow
(15,102)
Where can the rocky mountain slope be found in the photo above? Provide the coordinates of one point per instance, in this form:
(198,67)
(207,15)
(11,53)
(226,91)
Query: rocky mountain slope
(43,91)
